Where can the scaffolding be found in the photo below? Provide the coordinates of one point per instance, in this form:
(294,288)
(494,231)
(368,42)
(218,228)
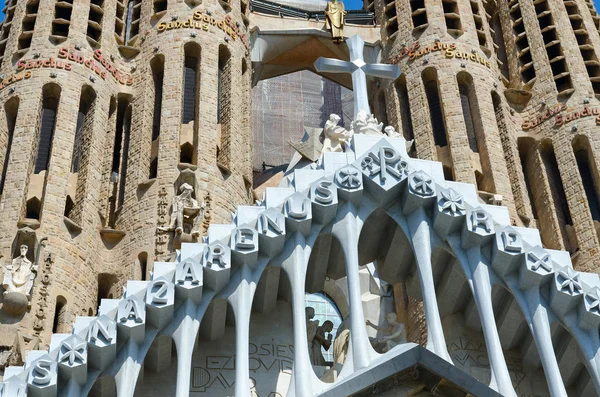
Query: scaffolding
(283,106)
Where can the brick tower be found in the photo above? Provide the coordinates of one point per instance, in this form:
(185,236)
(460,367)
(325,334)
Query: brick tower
(109,107)
(505,95)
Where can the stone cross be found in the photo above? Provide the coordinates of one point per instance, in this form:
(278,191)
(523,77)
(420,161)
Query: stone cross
(359,70)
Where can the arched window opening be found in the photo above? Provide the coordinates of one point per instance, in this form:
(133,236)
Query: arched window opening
(94,27)
(495,27)
(127,22)
(522,42)
(106,287)
(186,153)
(153,168)
(468,114)
(224,110)
(381,108)
(143,263)
(325,310)
(33,208)
(69,205)
(157,66)
(418,15)
(224,78)
(60,324)
(525,146)
(9,13)
(435,107)
(561,206)
(552,44)
(190,85)
(62,19)
(121,147)
(588,174)
(402,92)
(452,17)
(83,130)
(28,26)
(160,6)
(51,95)
(11,108)
(448,173)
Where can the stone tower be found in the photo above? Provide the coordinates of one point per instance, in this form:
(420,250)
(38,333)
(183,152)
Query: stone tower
(108,108)
(504,94)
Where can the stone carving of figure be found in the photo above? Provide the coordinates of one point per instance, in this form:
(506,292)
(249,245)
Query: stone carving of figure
(334,20)
(316,356)
(391,132)
(311,326)
(340,343)
(185,209)
(336,136)
(366,123)
(19,275)
(393,335)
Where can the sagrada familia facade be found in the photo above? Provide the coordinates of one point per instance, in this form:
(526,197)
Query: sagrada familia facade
(451,227)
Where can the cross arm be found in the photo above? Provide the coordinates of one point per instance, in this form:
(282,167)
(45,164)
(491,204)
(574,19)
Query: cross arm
(382,70)
(329,65)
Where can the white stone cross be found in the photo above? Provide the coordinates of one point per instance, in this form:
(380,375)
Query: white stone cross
(359,70)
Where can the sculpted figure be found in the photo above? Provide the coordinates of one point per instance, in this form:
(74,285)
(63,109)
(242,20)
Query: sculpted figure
(319,340)
(311,329)
(340,343)
(185,210)
(19,275)
(335,135)
(393,335)
(334,20)
(366,124)
(391,132)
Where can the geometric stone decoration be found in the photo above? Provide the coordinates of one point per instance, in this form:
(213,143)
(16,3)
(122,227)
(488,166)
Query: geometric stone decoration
(244,246)
(537,268)
(217,265)
(72,359)
(450,212)
(42,379)
(478,228)
(385,172)
(298,213)
(507,251)
(435,218)
(131,318)
(420,192)
(324,199)
(160,301)
(189,279)
(102,341)
(271,231)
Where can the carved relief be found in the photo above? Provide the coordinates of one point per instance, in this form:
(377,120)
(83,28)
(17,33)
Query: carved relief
(336,136)
(42,295)
(367,124)
(19,275)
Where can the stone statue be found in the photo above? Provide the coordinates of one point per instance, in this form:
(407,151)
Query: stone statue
(19,275)
(393,335)
(311,326)
(336,136)
(366,123)
(185,211)
(316,356)
(340,343)
(391,132)
(334,20)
